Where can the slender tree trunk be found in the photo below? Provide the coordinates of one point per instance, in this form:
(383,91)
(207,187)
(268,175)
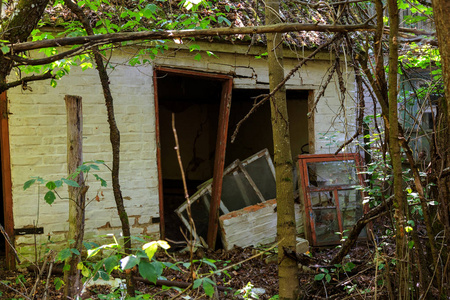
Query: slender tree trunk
(394,150)
(441,10)
(287,268)
(114,138)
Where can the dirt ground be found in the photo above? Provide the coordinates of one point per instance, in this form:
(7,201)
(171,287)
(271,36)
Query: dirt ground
(261,272)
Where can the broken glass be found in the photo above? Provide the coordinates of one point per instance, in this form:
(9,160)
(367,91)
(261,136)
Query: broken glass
(329,173)
(261,170)
(238,189)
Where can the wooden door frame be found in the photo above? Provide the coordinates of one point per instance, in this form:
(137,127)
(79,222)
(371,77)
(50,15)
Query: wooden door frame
(6,179)
(219,158)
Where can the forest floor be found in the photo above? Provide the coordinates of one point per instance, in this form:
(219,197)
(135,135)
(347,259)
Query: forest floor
(356,282)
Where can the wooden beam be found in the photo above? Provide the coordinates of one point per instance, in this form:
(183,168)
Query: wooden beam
(76,194)
(162,224)
(219,162)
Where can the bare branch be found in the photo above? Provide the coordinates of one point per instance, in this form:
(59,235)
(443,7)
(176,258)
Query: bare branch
(42,61)
(291,73)
(25,80)
(173,34)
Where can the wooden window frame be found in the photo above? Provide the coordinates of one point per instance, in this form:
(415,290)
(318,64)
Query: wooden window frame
(303,160)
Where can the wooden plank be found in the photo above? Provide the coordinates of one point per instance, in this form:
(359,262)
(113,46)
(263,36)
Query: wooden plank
(6,179)
(311,130)
(219,161)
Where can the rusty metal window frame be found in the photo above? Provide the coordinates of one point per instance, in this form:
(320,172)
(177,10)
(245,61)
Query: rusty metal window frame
(303,161)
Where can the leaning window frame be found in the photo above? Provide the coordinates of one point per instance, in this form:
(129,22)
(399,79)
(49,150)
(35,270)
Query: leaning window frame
(303,161)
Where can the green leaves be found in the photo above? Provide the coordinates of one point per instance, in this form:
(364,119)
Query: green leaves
(207,284)
(5,49)
(150,270)
(29,183)
(50,197)
(150,248)
(129,262)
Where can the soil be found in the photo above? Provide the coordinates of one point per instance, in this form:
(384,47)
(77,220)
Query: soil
(261,272)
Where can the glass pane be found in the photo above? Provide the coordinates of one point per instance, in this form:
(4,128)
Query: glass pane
(331,173)
(322,199)
(350,204)
(261,174)
(200,215)
(326,224)
(237,192)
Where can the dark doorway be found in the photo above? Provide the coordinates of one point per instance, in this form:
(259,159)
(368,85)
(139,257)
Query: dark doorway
(196,102)
(255,133)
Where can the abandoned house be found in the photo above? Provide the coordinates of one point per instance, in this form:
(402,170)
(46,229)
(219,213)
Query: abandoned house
(207,96)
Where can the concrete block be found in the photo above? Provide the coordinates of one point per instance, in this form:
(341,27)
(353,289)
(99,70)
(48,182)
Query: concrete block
(302,245)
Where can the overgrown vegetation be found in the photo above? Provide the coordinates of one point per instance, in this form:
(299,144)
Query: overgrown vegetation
(405,135)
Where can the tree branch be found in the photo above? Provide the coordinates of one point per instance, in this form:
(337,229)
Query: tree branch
(291,73)
(42,61)
(173,34)
(24,80)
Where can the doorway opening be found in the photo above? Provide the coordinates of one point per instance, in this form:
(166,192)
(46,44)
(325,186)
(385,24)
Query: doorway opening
(200,105)
(197,102)
(255,133)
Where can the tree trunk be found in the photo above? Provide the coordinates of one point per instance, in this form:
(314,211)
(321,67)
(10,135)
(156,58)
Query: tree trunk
(441,10)
(76,194)
(287,268)
(394,150)
(114,138)
(27,15)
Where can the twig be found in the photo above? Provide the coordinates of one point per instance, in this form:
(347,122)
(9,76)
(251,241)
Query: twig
(41,272)
(186,195)
(48,276)
(9,243)
(19,293)
(322,88)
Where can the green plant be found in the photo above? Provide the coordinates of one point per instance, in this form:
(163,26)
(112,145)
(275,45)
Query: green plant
(247,292)
(53,185)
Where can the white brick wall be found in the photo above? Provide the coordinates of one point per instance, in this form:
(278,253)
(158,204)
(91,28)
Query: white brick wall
(38,137)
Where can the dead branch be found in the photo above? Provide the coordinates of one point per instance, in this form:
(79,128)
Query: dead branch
(48,276)
(3,231)
(372,214)
(41,272)
(93,40)
(16,291)
(361,102)
(186,195)
(42,61)
(323,88)
(24,80)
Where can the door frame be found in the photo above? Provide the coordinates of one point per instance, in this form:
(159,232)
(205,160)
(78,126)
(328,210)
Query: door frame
(219,158)
(6,179)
